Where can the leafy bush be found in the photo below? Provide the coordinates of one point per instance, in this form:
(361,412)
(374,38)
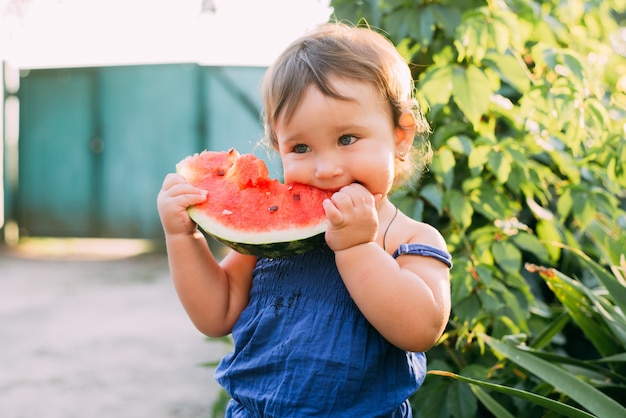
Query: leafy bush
(527,102)
(597,385)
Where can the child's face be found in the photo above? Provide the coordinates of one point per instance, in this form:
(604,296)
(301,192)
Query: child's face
(330,143)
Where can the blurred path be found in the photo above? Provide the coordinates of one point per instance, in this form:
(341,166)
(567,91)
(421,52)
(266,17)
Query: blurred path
(94,333)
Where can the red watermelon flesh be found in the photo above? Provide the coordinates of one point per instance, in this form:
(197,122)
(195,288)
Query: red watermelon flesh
(249,211)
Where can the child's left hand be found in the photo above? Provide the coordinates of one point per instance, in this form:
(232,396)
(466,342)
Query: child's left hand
(353,217)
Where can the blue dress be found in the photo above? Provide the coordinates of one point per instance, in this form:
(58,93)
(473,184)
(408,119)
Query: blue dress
(303,348)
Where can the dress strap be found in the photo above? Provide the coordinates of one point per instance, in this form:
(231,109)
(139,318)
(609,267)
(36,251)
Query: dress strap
(424,250)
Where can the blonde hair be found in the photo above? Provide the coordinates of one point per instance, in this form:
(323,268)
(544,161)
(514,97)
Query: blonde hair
(357,53)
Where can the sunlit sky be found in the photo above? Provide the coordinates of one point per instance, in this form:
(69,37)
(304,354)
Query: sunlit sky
(63,33)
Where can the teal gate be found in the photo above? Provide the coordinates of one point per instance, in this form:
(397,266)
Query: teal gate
(95,143)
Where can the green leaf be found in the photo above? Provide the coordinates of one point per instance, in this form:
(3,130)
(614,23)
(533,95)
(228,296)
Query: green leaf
(490,403)
(529,242)
(585,210)
(460,401)
(545,335)
(510,69)
(596,114)
(418,210)
(431,399)
(558,407)
(500,164)
(443,166)
(467,308)
(490,203)
(616,289)
(447,17)
(574,298)
(472,92)
(610,335)
(565,203)
(617,358)
(613,318)
(548,232)
(478,157)
(508,257)
(348,10)
(462,287)
(432,194)
(460,144)
(427,26)
(499,35)
(488,300)
(565,163)
(445,133)
(472,36)
(516,307)
(408,49)
(399,22)
(567,383)
(574,63)
(413,24)
(436,85)
(594,366)
(460,208)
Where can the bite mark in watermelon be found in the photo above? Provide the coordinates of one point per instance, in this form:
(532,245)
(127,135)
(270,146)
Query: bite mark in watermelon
(250,212)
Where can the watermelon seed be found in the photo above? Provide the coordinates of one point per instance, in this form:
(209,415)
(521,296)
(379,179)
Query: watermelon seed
(273,208)
(296,197)
(220,172)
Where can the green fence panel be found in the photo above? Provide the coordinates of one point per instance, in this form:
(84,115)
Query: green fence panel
(232,112)
(55,188)
(149,122)
(95,143)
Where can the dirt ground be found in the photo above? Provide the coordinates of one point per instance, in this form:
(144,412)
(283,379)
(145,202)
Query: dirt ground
(95,329)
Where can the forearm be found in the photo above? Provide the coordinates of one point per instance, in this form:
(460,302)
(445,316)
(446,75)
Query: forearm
(409,309)
(201,283)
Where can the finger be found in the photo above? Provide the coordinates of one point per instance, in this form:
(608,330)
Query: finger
(187,189)
(172,179)
(359,194)
(182,195)
(334,215)
(191,199)
(342,199)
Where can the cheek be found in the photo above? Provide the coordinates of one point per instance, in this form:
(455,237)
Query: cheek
(292,172)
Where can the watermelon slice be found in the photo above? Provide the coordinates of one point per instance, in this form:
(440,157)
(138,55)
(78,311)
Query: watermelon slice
(250,212)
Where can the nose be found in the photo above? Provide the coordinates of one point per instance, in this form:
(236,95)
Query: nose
(328,166)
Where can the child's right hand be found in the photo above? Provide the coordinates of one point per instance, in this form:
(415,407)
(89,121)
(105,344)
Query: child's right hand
(175,197)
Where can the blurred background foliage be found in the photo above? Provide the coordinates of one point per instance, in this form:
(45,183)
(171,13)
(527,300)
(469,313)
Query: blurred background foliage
(527,101)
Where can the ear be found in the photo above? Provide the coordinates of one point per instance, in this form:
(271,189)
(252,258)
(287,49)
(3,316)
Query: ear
(405,132)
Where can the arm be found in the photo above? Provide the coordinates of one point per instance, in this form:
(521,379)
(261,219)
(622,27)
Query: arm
(407,299)
(213,294)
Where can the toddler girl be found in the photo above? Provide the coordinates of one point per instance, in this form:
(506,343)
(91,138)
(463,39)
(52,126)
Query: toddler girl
(339,331)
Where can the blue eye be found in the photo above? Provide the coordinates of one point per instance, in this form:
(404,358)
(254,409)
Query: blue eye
(300,148)
(347,139)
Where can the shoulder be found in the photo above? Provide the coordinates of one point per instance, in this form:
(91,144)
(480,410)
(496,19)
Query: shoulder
(419,238)
(409,230)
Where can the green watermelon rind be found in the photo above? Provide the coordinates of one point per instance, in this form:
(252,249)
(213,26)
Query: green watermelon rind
(276,249)
(270,244)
